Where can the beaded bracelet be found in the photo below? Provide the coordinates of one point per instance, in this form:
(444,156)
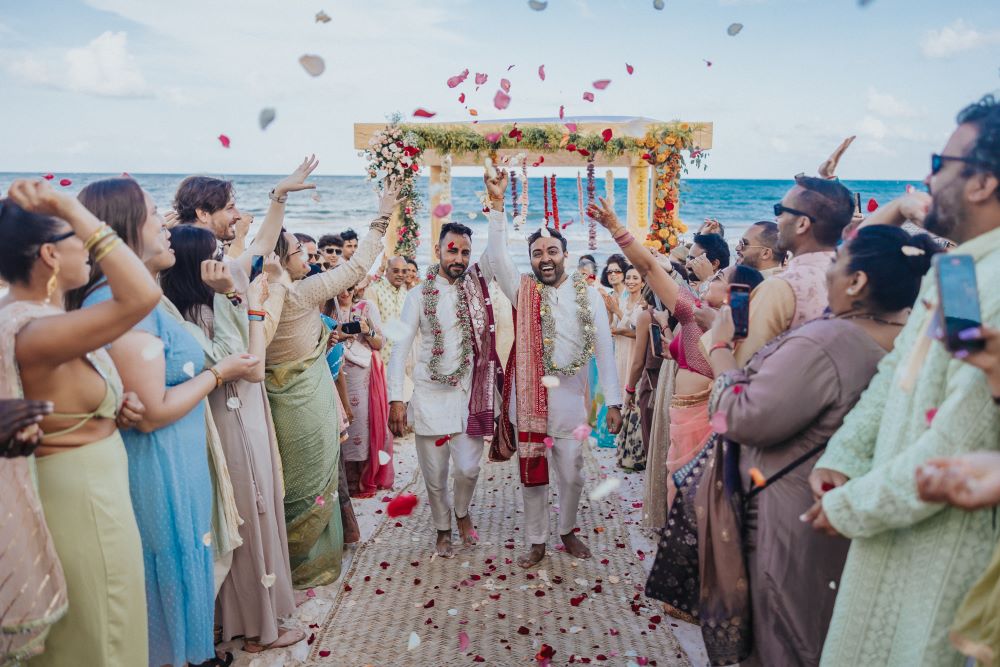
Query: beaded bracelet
(218,376)
(234,298)
(106,250)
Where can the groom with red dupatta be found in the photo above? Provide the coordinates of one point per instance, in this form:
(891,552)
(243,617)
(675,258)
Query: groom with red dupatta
(560,324)
(455,377)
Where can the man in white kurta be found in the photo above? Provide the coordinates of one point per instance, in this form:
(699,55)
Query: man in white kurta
(567,402)
(437,411)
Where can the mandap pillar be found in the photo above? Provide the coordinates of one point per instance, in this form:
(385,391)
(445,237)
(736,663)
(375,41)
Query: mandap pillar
(637,218)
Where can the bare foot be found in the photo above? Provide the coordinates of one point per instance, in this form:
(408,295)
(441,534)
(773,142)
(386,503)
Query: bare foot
(443,547)
(466,530)
(575,546)
(301,597)
(533,557)
(286,637)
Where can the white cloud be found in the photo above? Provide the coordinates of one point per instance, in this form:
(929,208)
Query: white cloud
(884,104)
(956,38)
(873,127)
(104,67)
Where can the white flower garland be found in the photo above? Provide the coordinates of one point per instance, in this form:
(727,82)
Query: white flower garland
(430,292)
(584,316)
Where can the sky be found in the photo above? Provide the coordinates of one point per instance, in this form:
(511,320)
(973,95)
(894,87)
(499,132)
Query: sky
(146,86)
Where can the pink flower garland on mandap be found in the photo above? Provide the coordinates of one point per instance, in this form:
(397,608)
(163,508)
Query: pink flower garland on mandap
(555,202)
(591,190)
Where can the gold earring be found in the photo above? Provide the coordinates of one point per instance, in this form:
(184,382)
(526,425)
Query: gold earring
(50,287)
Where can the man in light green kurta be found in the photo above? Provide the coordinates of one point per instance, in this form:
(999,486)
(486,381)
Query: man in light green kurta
(912,562)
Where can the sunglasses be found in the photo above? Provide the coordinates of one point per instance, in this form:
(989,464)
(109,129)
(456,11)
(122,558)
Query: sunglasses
(314,257)
(937,161)
(743,245)
(615,271)
(780,208)
(55,238)
(333,250)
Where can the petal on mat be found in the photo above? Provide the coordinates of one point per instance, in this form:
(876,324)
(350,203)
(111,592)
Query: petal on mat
(550,381)
(384,458)
(463,641)
(413,642)
(605,487)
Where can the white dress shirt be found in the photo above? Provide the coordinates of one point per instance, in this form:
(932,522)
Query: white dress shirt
(435,408)
(569,402)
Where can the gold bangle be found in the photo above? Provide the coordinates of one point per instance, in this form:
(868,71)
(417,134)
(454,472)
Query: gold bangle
(106,249)
(218,376)
(96,237)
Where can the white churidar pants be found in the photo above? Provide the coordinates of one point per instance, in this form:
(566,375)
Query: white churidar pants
(466,453)
(566,466)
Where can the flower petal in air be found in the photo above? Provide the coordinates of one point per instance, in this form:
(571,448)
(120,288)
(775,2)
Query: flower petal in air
(442,440)
(929,415)
(734,29)
(441,210)
(606,135)
(601,84)
(588,96)
(424,113)
(322,17)
(538,5)
(314,65)
(481,78)
(550,381)
(505,84)
(571,127)
(266,117)
(606,486)
(267,580)
(562,111)
(49,177)
(582,432)
(413,642)
(658,5)
(541,72)
(548,442)
(401,505)
(501,100)
(188,368)
(629,68)
(461,98)
(872,205)
(384,458)
(458,78)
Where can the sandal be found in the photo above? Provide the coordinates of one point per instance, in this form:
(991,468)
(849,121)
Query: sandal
(286,637)
(224,660)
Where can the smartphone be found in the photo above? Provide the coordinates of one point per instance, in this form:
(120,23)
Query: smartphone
(739,303)
(857,202)
(256,266)
(959,300)
(656,339)
(350,328)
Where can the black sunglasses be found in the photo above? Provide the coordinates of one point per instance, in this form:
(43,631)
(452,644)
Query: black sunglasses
(55,238)
(333,250)
(780,208)
(937,161)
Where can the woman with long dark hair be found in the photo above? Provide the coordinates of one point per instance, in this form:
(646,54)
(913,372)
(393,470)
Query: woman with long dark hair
(47,240)
(169,477)
(246,606)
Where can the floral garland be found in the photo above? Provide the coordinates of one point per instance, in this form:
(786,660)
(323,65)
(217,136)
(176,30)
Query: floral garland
(591,192)
(584,316)
(545,197)
(394,152)
(555,202)
(431,293)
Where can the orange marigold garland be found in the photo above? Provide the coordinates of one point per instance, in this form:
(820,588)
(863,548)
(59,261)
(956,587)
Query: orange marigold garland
(664,146)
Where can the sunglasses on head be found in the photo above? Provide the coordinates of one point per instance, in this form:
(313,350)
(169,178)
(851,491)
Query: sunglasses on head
(56,238)
(780,208)
(937,161)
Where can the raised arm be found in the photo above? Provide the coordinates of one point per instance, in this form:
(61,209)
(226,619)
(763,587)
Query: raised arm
(501,263)
(911,207)
(134,293)
(655,275)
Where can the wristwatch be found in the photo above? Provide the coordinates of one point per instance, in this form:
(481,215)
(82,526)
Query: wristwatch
(275,198)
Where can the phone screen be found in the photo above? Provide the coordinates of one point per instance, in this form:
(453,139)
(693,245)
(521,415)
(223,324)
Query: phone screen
(350,327)
(739,303)
(857,202)
(256,266)
(959,298)
(656,339)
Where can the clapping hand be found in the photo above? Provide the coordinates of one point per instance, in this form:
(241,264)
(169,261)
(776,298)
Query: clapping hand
(829,167)
(296,181)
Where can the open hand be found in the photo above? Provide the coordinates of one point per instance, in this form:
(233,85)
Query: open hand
(296,180)
(829,167)
(390,197)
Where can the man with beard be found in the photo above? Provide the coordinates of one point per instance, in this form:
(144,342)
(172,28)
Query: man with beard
(454,378)
(561,323)
(758,248)
(911,562)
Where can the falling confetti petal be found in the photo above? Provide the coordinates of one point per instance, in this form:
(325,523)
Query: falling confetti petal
(481,78)
(501,100)
(414,641)
(658,4)
(582,432)
(550,381)
(472,216)
(314,65)
(463,641)
(473,112)
(442,210)
(153,350)
(562,112)
(493,137)
(206,539)
(929,415)
(401,505)
(606,135)
(384,458)
(458,78)
(267,580)
(321,501)
(234,403)
(266,117)
(548,442)
(718,422)
(629,68)
(316,198)
(589,96)
(541,72)
(538,5)
(188,369)
(734,29)
(571,127)
(708,63)
(65,182)
(49,177)
(461,98)
(601,84)
(223,139)
(872,205)
(424,113)
(505,84)
(322,17)
(605,487)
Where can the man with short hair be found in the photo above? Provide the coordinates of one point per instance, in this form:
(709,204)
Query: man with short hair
(912,562)
(389,293)
(455,378)
(758,248)
(561,324)
(331,248)
(309,247)
(350,238)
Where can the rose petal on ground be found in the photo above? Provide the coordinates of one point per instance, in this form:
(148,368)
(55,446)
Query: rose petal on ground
(324,654)
(734,29)
(718,422)
(629,68)
(424,113)
(501,100)
(550,381)
(384,458)
(588,96)
(188,368)
(314,65)
(441,210)
(521,630)
(538,5)
(606,486)
(601,84)
(266,117)
(413,642)
(428,604)
(223,139)
(463,641)
(401,505)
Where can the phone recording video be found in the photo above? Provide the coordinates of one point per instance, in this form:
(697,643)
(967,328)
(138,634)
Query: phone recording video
(739,303)
(350,328)
(256,266)
(959,299)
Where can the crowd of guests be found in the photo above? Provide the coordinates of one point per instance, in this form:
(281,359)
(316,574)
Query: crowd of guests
(187,412)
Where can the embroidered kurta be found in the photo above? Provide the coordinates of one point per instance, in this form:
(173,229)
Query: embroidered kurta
(911,562)
(389,302)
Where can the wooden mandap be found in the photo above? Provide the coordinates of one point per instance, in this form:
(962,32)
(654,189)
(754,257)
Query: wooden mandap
(651,149)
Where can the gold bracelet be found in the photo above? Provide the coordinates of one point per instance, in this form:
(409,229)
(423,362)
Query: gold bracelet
(106,249)
(102,232)
(218,376)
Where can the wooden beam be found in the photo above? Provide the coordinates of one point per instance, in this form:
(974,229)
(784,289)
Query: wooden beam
(436,192)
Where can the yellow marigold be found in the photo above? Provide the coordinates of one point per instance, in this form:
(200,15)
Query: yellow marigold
(681,227)
(685,127)
(661,157)
(664,234)
(672,240)
(670,140)
(650,142)
(656,245)
(660,203)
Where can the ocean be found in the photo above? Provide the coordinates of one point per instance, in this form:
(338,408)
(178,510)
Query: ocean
(349,201)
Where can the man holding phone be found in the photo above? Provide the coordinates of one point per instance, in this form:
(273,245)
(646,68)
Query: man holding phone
(923,404)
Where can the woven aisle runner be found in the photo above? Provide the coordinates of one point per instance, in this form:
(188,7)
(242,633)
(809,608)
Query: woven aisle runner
(591,610)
